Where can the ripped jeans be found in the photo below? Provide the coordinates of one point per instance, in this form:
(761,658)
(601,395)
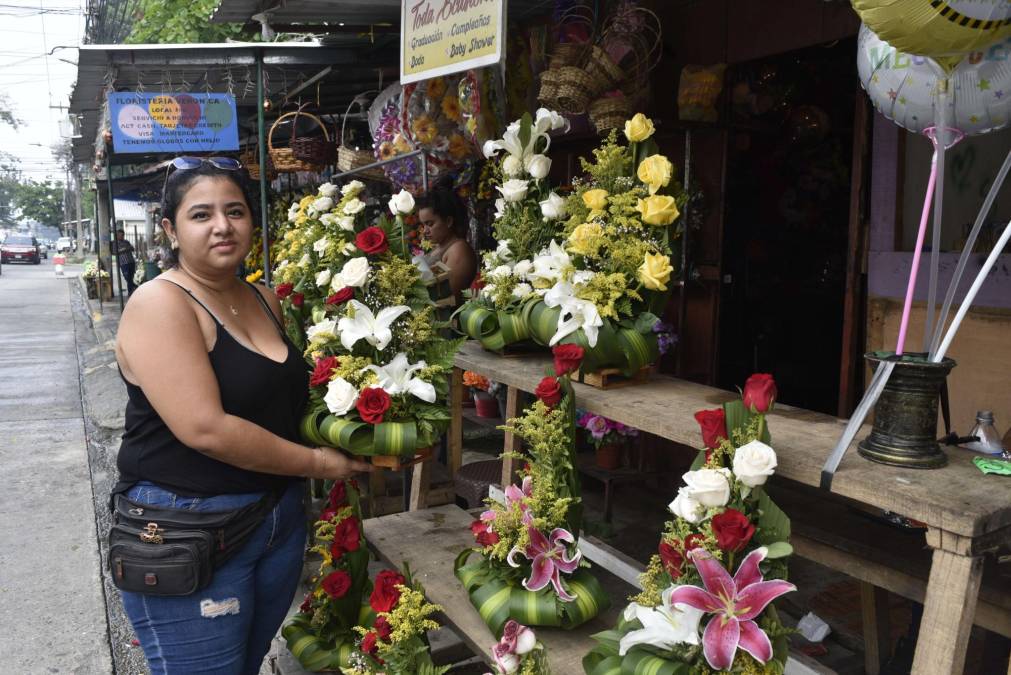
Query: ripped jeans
(227,627)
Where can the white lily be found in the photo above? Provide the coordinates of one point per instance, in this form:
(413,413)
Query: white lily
(663,626)
(395,378)
(363,324)
(510,142)
(578,314)
(551,265)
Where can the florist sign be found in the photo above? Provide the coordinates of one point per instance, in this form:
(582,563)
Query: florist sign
(439,37)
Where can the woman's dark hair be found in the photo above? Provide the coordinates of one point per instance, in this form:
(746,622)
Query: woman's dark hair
(179,183)
(444,201)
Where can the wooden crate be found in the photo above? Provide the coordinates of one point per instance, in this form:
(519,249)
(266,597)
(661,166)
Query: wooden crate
(612,378)
(397,463)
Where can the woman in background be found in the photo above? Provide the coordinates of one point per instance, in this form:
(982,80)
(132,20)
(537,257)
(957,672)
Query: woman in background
(443,218)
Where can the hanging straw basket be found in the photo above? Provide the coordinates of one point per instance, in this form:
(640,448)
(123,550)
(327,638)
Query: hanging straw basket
(315,149)
(576,19)
(610,112)
(573,90)
(349,159)
(548,93)
(251,162)
(284,159)
(604,73)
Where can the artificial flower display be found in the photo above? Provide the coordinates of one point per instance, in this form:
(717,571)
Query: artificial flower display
(706,601)
(358,306)
(394,641)
(519,652)
(529,568)
(594,269)
(322,635)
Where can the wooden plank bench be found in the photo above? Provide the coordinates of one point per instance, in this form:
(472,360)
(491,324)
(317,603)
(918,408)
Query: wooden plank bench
(967,515)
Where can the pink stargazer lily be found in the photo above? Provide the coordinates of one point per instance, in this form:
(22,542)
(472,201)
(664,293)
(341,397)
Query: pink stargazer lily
(515,495)
(549,557)
(735,602)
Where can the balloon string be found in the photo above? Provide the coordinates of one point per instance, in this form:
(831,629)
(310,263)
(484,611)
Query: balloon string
(911,287)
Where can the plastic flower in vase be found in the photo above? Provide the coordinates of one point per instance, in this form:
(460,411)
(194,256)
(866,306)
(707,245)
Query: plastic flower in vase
(394,642)
(605,280)
(379,383)
(707,592)
(529,568)
(322,635)
(519,652)
(528,217)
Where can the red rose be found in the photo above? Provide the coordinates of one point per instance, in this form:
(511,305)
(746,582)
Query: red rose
(327,513)
(306,605)
(284,290)
(693,541)
(372,403)
(323,371)
(478,283)
(759,392)
(672,559)
(383,628)
(337,583)
(567,358)
(714,427)
(297,299)
(369,643)
(549,391)
(345,538)
(339,495)
(372,240)
(385,595)
(733,530)
(480,530)
(341,296)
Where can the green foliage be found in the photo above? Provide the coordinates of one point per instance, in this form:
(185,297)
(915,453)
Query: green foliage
(41,201)
(182,21)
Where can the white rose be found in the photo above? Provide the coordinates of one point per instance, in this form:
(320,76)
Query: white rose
(320,245)
(346,223)
(553,207)
(293,212)
(499,208)
(522,290)
(513,190)
(512,166)
(708,487)
(328,219)
(355,186)
(538,166)
(323,278)
(354,206)
(522,269)
(350,248)
(355,272)
(327,190)
(685,506)
(341,396)
(321,205)
(402,202)
(489,290)
(502,250)
(502,272)
(323,330)
(754,463)
(281,265)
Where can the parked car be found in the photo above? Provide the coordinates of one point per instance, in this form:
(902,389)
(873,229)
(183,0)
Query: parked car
(64,244)
(43,250)
(20,247)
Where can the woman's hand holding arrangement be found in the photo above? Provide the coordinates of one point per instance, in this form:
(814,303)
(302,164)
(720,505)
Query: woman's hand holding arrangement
(332,464)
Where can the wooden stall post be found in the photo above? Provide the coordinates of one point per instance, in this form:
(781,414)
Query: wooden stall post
(876,625)
(455,422)
(511,444)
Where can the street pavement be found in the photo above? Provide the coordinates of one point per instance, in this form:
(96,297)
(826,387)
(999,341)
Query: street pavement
(52,602)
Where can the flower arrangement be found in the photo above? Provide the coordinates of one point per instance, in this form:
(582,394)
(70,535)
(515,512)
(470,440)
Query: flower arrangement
(529,568)
(395,643)
(724,523)
(604,431)
(92,271)
(519,652)
(364,316)
(321,635)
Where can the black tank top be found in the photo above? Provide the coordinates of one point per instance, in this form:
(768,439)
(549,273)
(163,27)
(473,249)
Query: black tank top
(253,387)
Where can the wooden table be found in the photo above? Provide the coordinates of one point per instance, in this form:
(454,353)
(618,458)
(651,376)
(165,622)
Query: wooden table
(968,515)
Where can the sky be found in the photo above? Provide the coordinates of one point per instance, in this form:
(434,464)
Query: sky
(34,81)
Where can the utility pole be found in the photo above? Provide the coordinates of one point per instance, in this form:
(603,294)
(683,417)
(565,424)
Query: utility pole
(77,200)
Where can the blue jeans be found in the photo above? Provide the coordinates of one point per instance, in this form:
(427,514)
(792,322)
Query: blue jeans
(227,627)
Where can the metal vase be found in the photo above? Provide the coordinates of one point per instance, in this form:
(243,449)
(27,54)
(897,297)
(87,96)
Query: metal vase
(905,416)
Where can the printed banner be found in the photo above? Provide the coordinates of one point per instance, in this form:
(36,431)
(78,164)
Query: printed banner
(173,123)
(439,37)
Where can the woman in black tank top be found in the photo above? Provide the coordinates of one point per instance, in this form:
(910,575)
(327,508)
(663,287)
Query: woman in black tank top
(215,394)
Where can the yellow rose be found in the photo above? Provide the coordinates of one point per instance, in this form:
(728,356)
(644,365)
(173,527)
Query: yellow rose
(655,271)
(595,199)
(639,128)
(655,171)
(658,210)
(586,239)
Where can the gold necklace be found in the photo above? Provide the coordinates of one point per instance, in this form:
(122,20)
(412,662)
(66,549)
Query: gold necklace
(231,307)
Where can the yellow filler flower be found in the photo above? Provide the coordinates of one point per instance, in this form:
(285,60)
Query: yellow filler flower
(658,210)
(655,271)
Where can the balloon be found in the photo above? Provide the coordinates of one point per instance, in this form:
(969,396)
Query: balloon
(937,27)
(165,111)
(218,114)
(905,88)
(134,122)
(189,108)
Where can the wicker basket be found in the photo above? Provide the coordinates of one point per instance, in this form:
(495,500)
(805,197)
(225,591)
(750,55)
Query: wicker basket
(568,54)
(548,93)
(349,159)
(251,162)
(284,159)
(610,112)
(315,149)
(573,90)
(603,72)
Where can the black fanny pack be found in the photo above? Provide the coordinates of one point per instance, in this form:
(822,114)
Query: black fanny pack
(163,551)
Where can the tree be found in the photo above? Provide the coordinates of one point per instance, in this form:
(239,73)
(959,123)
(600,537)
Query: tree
(40,200)
(182,21)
